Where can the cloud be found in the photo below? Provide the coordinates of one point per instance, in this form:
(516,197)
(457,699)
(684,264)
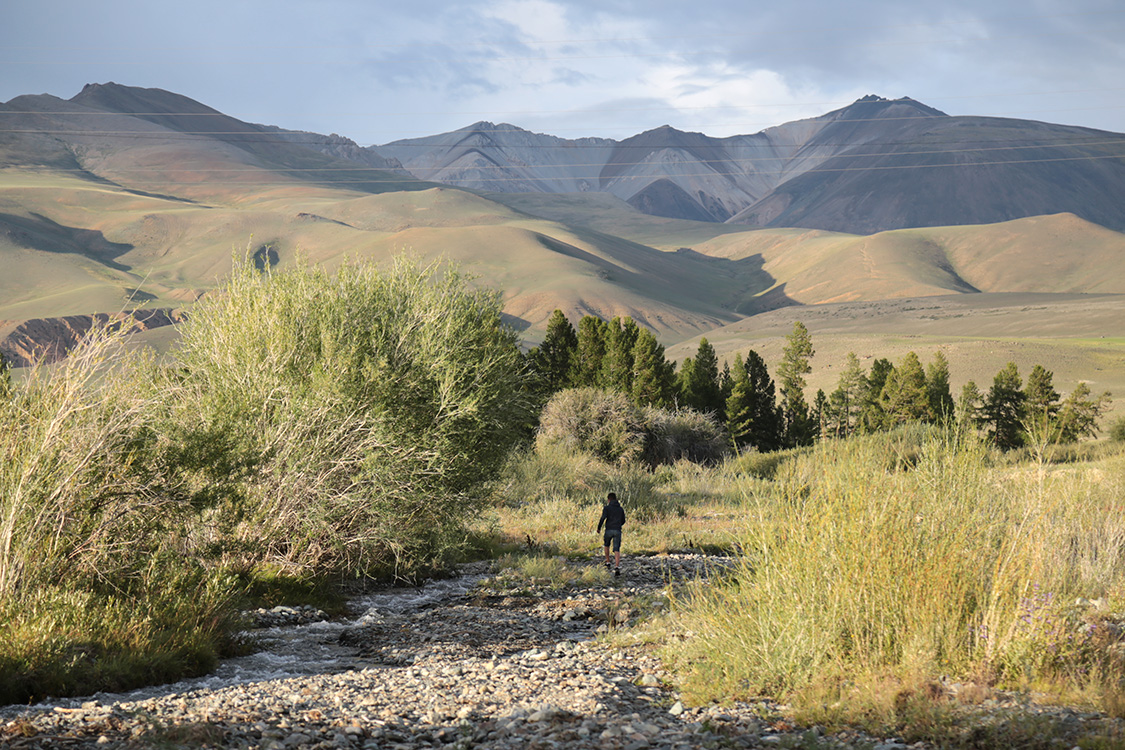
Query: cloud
(378,72)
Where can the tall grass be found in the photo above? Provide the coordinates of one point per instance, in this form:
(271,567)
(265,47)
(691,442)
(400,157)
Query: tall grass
(863,563)
(91,562)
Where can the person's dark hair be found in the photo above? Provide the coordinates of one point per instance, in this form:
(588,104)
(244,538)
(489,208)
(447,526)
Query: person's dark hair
(611,496)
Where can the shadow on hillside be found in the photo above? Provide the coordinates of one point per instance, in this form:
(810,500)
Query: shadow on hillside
(757,291)
(38,232)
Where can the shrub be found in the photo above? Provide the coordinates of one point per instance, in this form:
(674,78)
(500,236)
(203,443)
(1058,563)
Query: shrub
(602,423)
(607,425)
(684,434)
(363,409)
(83,494)
(98,585)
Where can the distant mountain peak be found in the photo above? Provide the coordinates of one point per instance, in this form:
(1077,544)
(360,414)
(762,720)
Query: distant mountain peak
(884,103)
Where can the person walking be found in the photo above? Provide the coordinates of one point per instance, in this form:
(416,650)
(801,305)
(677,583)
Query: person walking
(613,518)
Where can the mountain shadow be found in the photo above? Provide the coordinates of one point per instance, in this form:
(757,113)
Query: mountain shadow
(37,232)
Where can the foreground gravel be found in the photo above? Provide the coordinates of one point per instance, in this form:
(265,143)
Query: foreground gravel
(505,665)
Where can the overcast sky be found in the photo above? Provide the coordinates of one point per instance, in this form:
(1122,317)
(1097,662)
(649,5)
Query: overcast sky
(379,71)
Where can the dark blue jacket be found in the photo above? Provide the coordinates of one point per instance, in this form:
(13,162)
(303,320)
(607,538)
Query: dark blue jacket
(613,516)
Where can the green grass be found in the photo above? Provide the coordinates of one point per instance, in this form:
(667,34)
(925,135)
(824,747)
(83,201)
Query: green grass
(867,582)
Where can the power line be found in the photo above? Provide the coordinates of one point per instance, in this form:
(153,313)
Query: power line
(674,54)
(713,173)
(574,165)
(573,110)
(731,35)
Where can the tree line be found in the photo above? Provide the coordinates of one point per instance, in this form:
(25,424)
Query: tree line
(760,414)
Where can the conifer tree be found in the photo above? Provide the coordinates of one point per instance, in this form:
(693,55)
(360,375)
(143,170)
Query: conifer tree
(592,334)
(726,383)
(1040,397)
(938,394)
(552,359)
(1003,409)
(847,400)
(753,417)
(904,398)
(687,383)
(1079,414)
(653,376)
(820,414)
(968,407)
(873,419)
(791,377)
(617,365)
(699,381)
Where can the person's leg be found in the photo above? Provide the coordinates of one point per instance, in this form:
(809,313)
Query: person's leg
(606,550)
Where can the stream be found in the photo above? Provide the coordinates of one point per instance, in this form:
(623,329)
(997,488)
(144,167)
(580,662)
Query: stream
(293,650)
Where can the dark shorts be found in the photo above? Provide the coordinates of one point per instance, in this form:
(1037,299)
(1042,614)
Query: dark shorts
(613,538)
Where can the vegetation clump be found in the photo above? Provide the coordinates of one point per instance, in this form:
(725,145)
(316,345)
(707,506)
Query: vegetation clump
(367,404)
(607,425)
(312,424)
(862,570)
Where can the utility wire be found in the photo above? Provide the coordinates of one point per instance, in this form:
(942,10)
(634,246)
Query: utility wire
(574,165)
(385,178)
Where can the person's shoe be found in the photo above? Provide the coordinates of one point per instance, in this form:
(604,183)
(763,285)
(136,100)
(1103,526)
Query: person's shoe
(617,571)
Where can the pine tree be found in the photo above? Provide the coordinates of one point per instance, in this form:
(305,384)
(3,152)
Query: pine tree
(592,334)
(1079,414)
(938,394)
(851,387)
(820,414)
(653,376)
(1003,409)
(1041,398)
(617,365)
(552,359)
(904,397)
(707,365)
(699,381)
(791,376)
(873,419)
(753,417)
(687,380)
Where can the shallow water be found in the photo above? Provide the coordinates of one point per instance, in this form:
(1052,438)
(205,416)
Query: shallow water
(292,651)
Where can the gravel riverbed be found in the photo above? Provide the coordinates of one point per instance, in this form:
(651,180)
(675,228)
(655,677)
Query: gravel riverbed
(476,665)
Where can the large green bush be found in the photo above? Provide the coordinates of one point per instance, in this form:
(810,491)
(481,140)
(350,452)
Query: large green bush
(362,407)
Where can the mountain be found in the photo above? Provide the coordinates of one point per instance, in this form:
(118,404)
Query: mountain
(124,198)
(874,165)
(153,141)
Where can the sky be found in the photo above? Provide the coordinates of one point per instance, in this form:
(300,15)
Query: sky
(377,72)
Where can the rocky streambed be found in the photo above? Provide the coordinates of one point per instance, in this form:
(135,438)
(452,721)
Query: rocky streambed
(459,663)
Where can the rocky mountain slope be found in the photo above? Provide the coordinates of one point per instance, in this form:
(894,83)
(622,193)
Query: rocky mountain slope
(874,165)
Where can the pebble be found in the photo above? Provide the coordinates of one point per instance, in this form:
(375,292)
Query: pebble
(508,666)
